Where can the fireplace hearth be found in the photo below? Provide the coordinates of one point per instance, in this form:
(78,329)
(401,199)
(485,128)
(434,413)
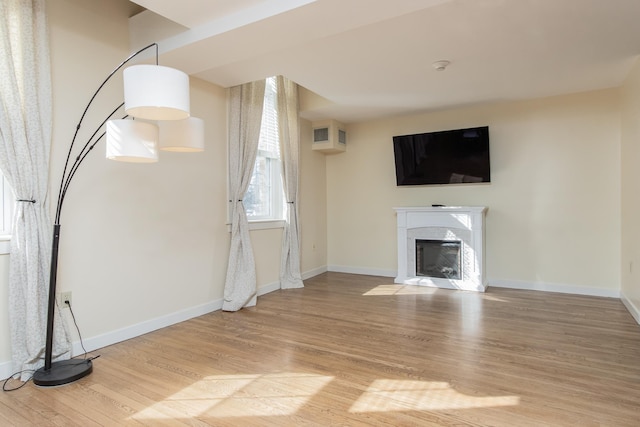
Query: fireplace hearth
(441,247)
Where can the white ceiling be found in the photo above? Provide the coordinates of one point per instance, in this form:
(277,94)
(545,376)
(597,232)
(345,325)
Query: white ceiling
(373,58)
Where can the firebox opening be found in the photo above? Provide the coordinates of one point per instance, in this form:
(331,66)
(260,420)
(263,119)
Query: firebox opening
(439,258)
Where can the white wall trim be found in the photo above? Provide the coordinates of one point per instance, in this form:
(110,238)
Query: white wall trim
(314,272)
(262,225)
(363,270)
(132,331)
(512,284)
(113,337)
(554,287)
(633,309)
(5,245)
(151,325)
(270,287)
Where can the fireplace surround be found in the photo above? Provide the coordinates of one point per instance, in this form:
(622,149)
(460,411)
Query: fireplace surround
(442,230)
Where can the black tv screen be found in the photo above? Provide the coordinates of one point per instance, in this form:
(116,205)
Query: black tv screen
(446,157)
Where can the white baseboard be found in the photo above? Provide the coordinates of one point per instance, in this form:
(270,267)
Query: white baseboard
(363,270)
(142,328)
(554,287)
(270,287)
(314,272)
(123,334)
(94,343)
(513,284)
(633,309)
(132,331)
(151,325)
(113,337)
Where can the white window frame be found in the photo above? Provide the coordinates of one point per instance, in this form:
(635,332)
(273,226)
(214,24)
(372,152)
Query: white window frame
(274,206)
(274,218)
(7,206)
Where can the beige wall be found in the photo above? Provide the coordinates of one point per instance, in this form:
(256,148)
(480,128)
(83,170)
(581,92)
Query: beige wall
(137,241)
(554,200)
(313,202)
(630,260)
(140,242)
(146,242)
(313,220)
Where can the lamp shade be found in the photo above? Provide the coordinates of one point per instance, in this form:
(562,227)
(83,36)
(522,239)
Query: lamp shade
(132,141)
(185,135)
(154,92)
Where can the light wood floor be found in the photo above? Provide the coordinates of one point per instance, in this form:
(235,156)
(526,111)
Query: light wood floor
(352,350)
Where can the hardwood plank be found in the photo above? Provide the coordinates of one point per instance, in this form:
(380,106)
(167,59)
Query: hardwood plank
(360,350)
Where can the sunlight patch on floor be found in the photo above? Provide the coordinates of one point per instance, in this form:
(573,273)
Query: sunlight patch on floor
(400,395)
(239,395)
(400,290)
(493,298)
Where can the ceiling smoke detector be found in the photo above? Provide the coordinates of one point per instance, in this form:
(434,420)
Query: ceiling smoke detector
(441,65)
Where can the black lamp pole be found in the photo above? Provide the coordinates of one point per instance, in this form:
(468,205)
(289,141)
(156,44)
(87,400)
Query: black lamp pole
(66,371)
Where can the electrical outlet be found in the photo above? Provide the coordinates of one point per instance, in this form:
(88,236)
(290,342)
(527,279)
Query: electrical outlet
(65,296)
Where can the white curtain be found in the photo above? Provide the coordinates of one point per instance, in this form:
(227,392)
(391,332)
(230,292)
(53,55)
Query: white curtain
(25,138)
(245,116)
(289,132)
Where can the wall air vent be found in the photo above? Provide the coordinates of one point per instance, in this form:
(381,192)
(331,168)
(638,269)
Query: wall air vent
(342,137)
(329,136)
(321,135)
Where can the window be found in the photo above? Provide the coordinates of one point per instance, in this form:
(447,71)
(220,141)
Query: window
(264,200)
(7,200)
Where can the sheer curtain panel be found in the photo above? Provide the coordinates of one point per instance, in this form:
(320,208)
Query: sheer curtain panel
(245,115)
(289,131)
(25,138)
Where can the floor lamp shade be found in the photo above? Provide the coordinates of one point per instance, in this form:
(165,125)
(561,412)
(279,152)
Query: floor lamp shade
(154,92)
(185,135)
(132,141)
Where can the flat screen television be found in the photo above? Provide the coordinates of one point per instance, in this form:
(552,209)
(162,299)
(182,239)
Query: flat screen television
(447,157)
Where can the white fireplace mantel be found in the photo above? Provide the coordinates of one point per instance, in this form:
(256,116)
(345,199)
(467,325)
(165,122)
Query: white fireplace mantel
(457,223)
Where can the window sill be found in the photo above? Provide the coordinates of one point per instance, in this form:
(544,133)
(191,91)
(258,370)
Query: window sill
(5,244)
(263,225)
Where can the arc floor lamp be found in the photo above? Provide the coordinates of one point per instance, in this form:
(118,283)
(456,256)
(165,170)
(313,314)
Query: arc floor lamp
(153,93)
